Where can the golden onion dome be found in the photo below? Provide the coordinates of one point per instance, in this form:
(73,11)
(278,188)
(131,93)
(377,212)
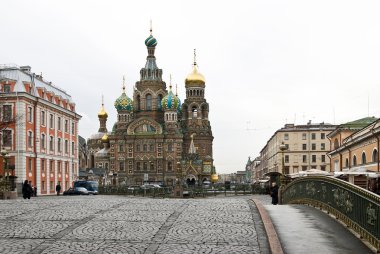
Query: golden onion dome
(105,138)
(195,77)
(214,178)
(102,113)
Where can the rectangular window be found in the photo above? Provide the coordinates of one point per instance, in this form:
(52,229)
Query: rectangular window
(314,158)
(6,88)
(72,148)
(304,168)
(312,136)
(66,146)
(323,146)
(51,186)
(170,166)
(72,128)
(51,121)
(121,165)
(151,148)
(303,136)
(51,166)
(121,148)
(323,168)
(7,113)
(145,166)
(7,138)
(43,166)
(313,147)
(151,166)
(66,125)
(59,124)
(304,147)
(323,158)
(43,118)
(59,145)
(30,165)
(51,143)
(43,186)
(286,158)
(30,139)
(138,148)
(59,167)
(287,147)
(170,147)
(323,135)
(42,141)
(30,114)
(304,158)
(286,136)
(138,166)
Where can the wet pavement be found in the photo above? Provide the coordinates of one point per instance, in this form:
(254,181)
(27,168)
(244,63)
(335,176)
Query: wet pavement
(303,229)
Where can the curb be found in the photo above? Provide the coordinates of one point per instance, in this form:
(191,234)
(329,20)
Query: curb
(274,242)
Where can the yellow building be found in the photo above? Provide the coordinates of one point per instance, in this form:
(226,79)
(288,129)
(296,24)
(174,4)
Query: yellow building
(355,149)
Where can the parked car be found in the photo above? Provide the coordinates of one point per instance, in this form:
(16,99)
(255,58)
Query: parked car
(150,186)
(76,191)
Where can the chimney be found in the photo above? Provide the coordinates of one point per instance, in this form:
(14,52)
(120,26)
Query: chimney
(26,68)
(308,123)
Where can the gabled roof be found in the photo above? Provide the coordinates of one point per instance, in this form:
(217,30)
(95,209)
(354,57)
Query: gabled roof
(359,124)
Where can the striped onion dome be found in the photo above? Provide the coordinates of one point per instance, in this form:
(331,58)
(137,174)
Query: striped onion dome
(151,41)
(170,101)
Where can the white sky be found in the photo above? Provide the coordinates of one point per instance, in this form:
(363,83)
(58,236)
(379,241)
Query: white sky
(265,62)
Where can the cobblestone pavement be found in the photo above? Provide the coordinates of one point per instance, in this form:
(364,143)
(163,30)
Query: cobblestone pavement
(116,224)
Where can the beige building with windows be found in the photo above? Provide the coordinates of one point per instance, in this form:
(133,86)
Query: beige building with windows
(355,144)
(306,147)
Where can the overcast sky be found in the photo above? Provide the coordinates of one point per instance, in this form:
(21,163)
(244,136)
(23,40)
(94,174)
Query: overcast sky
(266,63)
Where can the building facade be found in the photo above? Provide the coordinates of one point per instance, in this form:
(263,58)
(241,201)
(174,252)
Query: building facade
(42,140)
(156,139)
(304,147)
(355,144)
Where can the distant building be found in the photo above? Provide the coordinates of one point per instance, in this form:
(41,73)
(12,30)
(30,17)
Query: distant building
(43,144)
(306,147)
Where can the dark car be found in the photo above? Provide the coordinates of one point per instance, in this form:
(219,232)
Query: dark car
(76,191)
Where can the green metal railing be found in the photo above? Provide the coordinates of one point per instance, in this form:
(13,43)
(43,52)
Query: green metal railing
(358,208)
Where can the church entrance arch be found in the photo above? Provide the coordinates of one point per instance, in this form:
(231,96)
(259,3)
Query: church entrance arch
(191,179)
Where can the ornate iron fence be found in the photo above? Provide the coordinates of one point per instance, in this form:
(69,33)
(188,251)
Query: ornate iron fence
(358,208)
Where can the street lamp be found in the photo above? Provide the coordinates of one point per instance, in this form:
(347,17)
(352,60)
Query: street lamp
(282,149)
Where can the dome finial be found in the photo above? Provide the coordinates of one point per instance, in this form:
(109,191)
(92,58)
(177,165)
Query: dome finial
(102,100)
(151,28)
(195,57)
(170,82)
(176,90)
(102,113)
(123,84)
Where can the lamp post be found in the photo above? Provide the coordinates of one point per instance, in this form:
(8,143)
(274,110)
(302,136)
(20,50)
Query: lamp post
(282,149)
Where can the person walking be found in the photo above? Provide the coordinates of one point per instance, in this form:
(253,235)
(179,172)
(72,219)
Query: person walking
(58,189)
(274,193)
(26,190)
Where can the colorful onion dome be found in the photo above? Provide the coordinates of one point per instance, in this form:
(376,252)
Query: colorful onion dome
(151,41)
(124,103)
(170,101)
(105,138)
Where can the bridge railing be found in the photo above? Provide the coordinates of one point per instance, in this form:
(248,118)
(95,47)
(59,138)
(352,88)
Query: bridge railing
(358,208)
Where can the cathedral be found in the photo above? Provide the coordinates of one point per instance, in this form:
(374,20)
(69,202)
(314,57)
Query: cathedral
(156,138)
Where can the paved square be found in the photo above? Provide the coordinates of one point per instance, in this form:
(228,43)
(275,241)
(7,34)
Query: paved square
(117,224)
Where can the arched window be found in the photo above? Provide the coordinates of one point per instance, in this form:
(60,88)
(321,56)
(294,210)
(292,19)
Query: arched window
(170,166)
(364,158)
(159,99)
(346,162)
(374,155)
(195,112)
(204,112)
(148,99)
(138,102)
(354,161)
(336,144)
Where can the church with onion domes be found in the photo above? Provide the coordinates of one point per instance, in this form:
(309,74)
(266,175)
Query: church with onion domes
(156,138)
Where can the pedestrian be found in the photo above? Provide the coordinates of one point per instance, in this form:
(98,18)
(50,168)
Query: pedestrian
(58,189)
(26,190)
(274,193)
(35,191)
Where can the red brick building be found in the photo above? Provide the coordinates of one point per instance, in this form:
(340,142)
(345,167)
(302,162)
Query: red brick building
(42,143)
